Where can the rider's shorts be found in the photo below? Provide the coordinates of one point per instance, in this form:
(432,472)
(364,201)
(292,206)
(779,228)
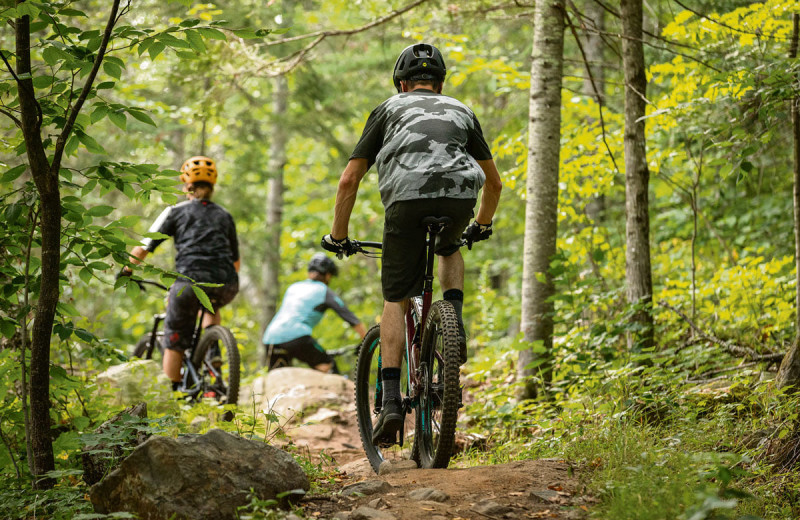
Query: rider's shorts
(183,307)
(403,256)
(304,348)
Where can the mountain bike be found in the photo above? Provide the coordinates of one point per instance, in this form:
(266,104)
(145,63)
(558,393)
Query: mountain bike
(204,368)
(429,373)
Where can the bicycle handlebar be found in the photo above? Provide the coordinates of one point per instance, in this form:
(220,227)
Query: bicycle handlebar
(155,284)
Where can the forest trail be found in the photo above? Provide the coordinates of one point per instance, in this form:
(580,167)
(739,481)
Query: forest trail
(514,490)
(547,488)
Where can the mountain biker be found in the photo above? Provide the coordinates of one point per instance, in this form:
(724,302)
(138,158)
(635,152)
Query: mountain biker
(288,335)
(207,250)
(432,160)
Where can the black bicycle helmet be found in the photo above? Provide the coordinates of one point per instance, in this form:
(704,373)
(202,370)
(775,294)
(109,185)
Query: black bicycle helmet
(322,264)
(419,62)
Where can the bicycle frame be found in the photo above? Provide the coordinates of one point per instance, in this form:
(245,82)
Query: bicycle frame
(191,377)
(418,308)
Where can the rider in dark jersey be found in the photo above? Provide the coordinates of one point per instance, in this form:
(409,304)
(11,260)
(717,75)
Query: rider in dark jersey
(288,335)
(432,160)
(207,250)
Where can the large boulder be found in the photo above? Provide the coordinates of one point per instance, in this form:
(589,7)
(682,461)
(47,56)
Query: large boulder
(198,477)
(292,391)
(135,381)
(107,447)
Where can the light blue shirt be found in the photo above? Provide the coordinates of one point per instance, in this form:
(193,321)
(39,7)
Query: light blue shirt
(301,310)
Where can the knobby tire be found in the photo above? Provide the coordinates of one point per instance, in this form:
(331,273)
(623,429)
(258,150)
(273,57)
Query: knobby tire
(231,367)
(441,391)
(365,394)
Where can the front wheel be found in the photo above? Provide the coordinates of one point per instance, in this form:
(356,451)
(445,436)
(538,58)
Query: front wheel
(217,356)
(440,396)
(369,394)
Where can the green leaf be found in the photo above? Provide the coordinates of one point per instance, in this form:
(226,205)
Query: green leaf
(71,12)
(13,173)
(212,34)
(100,211)
(85,335)
(72,145)
(112,69)
(132,289)
(43,81)
(174,42)
(119,119)
(196,41)
(51,55)
(27,8)
(67,309)
(141,116)
(155,49)
(89,142)
(105,85)
(99,113)
(203,298)
(7,327)
(85,275)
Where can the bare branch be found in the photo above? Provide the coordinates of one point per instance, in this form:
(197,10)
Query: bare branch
(12,117)
(343,32)
(87,87)
(296,58)
(732,348)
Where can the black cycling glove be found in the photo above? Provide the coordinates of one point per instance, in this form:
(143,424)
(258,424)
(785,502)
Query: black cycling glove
(340,247)
(476,232)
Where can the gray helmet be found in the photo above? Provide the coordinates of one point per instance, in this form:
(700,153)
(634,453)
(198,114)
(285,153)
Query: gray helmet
(322,264)
(419,61)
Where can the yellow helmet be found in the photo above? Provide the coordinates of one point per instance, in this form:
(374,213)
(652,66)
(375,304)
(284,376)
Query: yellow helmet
(199,169)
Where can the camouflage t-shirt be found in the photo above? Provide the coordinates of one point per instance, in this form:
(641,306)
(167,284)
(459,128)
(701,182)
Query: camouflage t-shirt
(426,146)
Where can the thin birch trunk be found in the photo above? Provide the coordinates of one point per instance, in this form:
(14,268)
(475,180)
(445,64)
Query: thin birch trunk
(277,162)
(541,207)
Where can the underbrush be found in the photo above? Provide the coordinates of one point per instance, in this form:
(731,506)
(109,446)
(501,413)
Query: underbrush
(649,444)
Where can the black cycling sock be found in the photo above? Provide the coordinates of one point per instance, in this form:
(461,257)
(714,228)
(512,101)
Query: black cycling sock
(456,298)
(391,384)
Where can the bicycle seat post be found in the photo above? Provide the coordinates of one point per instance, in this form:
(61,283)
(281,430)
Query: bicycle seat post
(433,226)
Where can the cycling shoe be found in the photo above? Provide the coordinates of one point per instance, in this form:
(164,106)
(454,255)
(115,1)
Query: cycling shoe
(389,428)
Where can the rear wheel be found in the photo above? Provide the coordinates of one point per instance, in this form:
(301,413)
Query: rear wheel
(217,358)
(369,396)
(440,395)
(142,350)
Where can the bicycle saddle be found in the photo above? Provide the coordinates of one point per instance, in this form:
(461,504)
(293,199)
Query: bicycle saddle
(436,222)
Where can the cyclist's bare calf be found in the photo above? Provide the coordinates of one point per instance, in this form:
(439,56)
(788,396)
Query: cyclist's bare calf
(393,332)
(451,272)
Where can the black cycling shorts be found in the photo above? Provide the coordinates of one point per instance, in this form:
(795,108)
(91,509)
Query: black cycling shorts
(304,348)
(182,311)
(403,257)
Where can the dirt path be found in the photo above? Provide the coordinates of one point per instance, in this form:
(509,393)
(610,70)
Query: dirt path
(516,490)
(522,489)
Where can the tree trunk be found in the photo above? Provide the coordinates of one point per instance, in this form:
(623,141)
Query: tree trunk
(275,188)
(789,372)
(594,83)
(46,180)
(541,207)
(637,177)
